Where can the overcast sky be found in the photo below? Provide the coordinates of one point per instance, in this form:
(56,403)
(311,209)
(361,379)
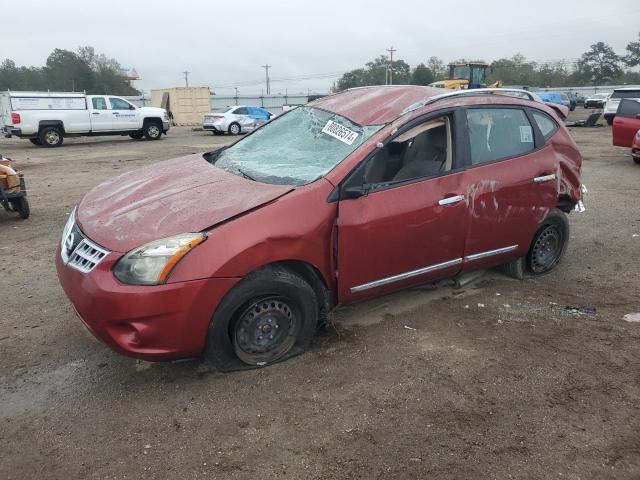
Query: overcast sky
(224,43)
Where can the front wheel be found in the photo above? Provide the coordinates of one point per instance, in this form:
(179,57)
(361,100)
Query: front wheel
(152,131)
(271,315)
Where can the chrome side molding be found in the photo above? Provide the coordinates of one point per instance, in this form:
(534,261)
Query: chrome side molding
(490,253)
(404,276)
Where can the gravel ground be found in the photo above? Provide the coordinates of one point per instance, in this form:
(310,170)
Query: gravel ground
(521,387)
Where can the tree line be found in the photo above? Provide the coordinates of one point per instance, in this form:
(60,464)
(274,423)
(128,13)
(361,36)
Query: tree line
(67,71)
(600,65)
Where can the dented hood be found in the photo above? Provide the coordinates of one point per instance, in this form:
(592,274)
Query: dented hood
(186,194)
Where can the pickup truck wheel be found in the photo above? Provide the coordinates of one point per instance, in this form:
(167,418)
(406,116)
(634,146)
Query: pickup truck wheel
(136,135)
(152,131)
(234,129)
(51,137)
(269,316)
(36,141)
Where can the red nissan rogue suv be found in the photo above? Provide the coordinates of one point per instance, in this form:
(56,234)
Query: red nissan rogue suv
(240,253)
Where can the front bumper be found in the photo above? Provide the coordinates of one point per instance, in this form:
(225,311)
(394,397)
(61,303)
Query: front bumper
(160,322)
(594,105)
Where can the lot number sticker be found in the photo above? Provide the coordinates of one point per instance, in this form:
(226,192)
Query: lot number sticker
(341,133)
(526,134)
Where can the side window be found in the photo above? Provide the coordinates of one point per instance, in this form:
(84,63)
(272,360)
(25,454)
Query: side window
(119,104)
(421,152)
(546,124)
(496,133)
(241,111)
(628,108)
(99,103)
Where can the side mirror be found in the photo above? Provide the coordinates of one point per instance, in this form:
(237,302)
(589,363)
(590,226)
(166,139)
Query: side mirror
(354,192)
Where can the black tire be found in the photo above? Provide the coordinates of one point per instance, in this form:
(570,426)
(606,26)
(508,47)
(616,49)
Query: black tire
(637,160)
(51,137)
(270,316)
(549,244)
(152,131)
(36,141)
(137,135)
(542,259)
(609,121)
(21,205)
(234,129)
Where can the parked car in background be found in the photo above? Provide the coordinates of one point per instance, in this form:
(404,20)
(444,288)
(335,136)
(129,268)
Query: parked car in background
(389,186)
(596,101)
(626,126)
(47,118)
(613,101)
(558,98)
(576,98)
(236,120)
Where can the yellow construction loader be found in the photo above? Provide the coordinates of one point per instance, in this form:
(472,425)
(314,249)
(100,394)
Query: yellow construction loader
(463,76)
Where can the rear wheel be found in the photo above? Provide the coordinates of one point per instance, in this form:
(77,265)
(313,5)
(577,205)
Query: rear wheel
(51,137)
(36,141)
(547,248)
(234,129)
(271,315)
(152,131)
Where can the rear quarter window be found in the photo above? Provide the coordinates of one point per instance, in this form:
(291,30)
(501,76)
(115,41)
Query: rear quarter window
(628,108)
(545,123)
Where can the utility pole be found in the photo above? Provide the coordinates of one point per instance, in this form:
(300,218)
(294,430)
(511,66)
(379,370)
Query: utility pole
(186,78)
(266,68)
(391,50)
(236,94)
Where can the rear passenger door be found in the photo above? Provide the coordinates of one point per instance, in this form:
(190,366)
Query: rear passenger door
(510,178)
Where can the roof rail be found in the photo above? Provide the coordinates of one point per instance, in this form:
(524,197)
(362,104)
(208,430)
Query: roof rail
(509,92)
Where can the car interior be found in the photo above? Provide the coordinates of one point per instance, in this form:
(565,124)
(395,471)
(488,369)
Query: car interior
(423,151)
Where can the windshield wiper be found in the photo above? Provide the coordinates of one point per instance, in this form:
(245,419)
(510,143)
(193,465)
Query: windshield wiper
(246,175)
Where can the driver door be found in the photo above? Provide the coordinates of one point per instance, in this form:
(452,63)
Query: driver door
(410,223)
(124,114)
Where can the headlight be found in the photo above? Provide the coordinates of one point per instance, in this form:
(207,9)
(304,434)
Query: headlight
(152,263)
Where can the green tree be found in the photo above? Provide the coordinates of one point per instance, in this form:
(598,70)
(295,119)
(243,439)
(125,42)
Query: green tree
(601,63)
(375,72)
(632,58)
(421,75)
(437,67)
(67,71)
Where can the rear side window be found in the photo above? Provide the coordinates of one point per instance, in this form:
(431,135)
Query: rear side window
(628,108)
(497,133)
(241,111)
(626,94)
(99,103)
(546,124)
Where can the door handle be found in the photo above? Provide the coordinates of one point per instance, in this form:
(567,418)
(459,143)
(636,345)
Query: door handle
(116,113)
(545,178)
(451,200)
(95,113)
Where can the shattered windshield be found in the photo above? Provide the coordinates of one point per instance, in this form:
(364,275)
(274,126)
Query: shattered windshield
(294,149)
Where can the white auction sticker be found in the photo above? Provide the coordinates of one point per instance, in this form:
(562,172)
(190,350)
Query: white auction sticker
(341,133)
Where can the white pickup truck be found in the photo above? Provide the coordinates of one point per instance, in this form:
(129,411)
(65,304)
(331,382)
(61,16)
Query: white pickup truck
(46,118)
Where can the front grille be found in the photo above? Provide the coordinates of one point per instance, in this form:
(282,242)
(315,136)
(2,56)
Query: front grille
(79,252)
(86,256)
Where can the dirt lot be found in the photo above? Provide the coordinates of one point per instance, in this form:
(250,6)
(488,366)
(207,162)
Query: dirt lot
(518,388)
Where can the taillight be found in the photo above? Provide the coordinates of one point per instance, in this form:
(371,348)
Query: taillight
(218,116)
(15,118)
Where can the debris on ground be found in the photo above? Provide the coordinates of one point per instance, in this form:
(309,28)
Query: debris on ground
(632,317)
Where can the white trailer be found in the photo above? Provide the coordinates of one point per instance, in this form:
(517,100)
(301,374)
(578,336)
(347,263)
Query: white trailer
(45,118)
